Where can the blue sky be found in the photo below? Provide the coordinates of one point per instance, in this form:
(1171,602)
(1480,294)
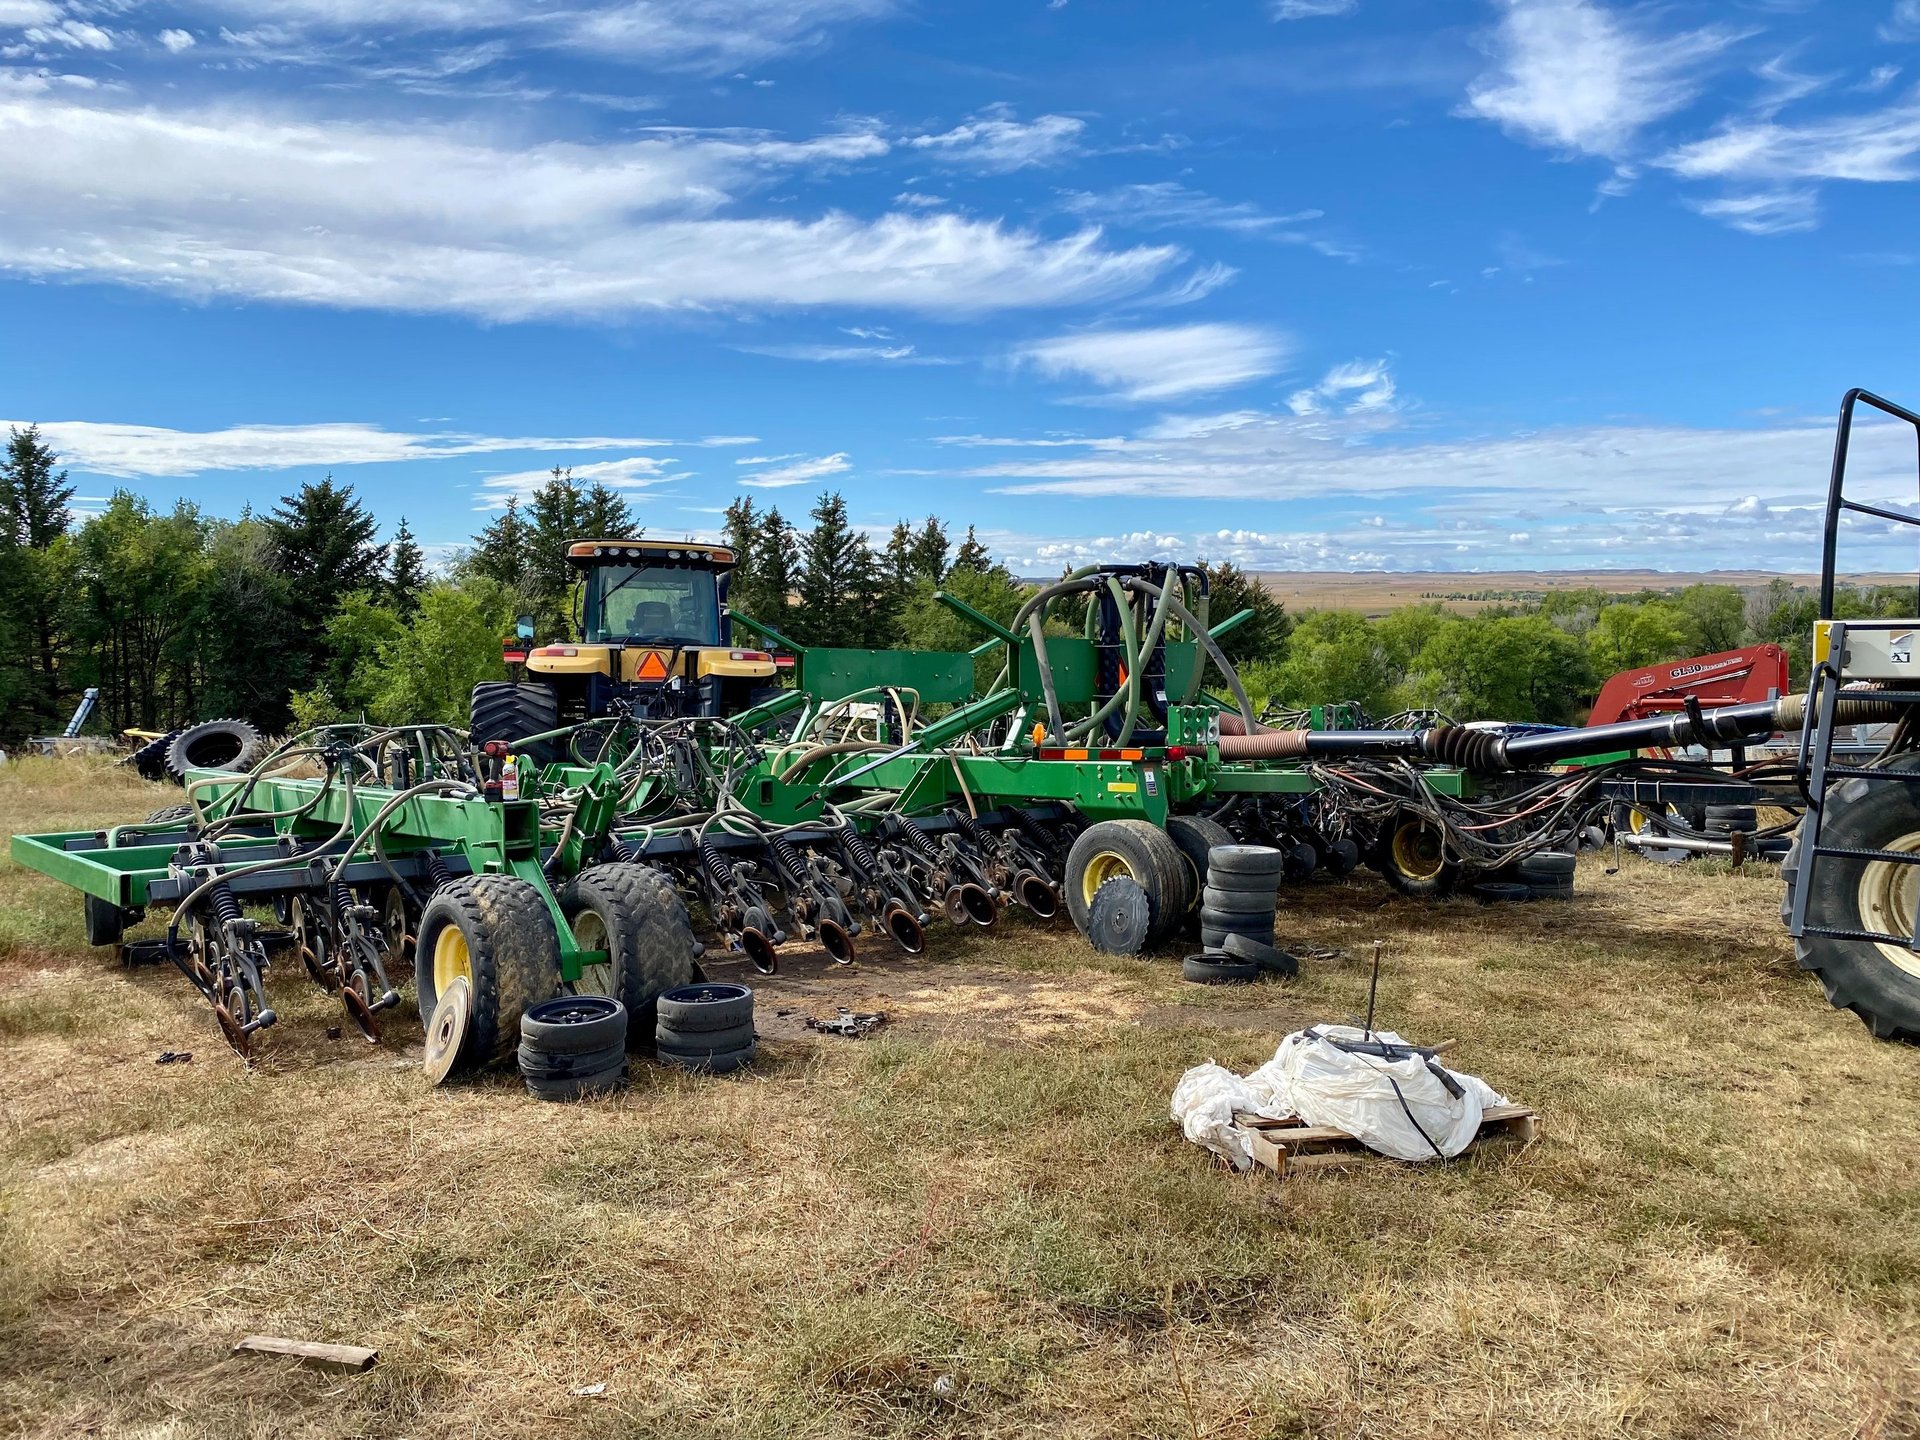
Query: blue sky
(1311,284)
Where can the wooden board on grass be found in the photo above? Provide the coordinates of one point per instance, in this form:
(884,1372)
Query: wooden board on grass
(1286,1145)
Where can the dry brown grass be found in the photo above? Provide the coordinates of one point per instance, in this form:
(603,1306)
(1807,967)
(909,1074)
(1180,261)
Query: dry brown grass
(1714,1238)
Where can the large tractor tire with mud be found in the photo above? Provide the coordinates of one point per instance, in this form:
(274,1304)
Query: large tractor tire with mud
(1142,852)
(214,745)
(1876,980)
(496,933)
(505,711)
(633,914)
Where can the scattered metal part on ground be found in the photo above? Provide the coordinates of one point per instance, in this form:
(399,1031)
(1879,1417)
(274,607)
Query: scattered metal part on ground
(851,1024)
(173,1057)
(599,1387)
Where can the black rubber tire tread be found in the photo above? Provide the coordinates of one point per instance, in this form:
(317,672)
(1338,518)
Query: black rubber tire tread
(150,760)
(1206,970)
(105,922)
(542,1065)
(252,744)
(1153,860)
(576,1087)
(1547,865)
(1216,939)
(169,815)
(1495,892)
(502,710)
(581,1037)
(513,953)
(651,940)
(1727,818)
(724,1063)
(1247,860)
(1270,958)
(1236,922)
(1430,887)
(707,1042)
(1238,902)
(1196,836)
(1790,874)
(1866,815)
(678,1009)
(1244,884)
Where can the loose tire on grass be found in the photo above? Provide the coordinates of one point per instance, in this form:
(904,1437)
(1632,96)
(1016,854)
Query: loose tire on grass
(574,1025)
(1258,952)
(1197,837)
(170,815)
(216,745)
(150,760)
(723,1063)
(576,1087)
(502,710)
(495,930)
(632,913)
(1878,982)
(1726,819)
(1218,970)
(1142,852)
(1119,918)
(703,1009)
(1548,874)
(1413,857)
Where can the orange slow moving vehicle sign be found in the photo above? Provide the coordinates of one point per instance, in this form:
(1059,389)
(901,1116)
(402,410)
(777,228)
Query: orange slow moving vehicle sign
(654,667)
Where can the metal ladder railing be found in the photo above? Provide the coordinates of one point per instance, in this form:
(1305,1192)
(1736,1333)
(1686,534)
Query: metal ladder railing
(1815,764)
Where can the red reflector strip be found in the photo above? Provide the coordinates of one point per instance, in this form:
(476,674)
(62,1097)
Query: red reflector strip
(514,657)
(1052,754)
(1176,752)
(750,655)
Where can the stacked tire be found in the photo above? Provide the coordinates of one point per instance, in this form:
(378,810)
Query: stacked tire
(1242,885)
(1548,874)
(573,1045)
(706,1028)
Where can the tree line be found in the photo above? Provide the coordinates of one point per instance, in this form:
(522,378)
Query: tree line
(303,614)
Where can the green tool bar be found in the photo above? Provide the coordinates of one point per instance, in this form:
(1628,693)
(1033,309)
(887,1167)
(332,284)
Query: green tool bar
(986,622)
(1232,622)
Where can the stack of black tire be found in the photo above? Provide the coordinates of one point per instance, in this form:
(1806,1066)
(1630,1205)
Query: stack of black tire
(1236,917)
(705,1027)
(1543,875)
(573,1045)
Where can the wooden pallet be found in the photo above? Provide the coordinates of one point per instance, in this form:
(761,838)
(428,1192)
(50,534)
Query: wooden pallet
(1284,1146)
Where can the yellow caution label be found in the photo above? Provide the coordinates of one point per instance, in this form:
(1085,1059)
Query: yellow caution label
(1121,787)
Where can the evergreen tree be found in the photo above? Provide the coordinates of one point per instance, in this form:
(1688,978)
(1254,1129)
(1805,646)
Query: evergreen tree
(739,532)
(837,579)
(500,551)
(896,574)
(776,563)
(1231,590)
(973,555)
(556,517)
(930,550)
(406,570)
(34,517)
(605,516)
(323,538)
(35,497)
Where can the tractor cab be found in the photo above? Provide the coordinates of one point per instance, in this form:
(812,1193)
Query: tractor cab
(655,640)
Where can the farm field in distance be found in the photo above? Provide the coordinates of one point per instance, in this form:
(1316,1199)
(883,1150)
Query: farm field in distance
(978,1221)
(1375,592)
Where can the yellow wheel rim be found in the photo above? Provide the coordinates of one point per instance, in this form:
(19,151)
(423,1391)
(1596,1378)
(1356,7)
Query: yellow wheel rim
(590,933)
(1104,866)
(1886,896)
(451,959)
(1417,851)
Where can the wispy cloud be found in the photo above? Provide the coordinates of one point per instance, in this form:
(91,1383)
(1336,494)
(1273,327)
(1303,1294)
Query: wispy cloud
(1576,77)
(1162,363)
(435,218)
(132,451)
(1355,387)
(895,354)
(799,473)
(1310,9)
(632,472)
(997,140)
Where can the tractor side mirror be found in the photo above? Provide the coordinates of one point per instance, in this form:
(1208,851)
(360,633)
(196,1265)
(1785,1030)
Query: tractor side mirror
(523,627)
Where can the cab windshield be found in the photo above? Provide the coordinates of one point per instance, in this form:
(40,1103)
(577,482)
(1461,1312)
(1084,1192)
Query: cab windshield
(652,603)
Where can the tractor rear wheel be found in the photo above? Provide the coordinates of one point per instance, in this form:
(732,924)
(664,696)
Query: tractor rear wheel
(496,932)
(1196,836)
(627,911)
(1141,851)
(1879,982)
(505,711)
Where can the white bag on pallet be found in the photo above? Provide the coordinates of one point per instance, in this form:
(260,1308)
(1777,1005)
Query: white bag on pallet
(1397,1107)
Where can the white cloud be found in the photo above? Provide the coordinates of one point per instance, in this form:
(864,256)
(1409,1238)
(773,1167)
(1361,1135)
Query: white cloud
(799,473)
(632,472)
(132,451)
(1165,204)
(177,40)
(1163,363)
(1355,387)
(1879,146)
(1196,285)
(71,34)
(15,13)
(1767,212)
(241,204)
(1881,76)
(1902,22)
(994,140)
(1573,76)
(897,354)
(766,459)
(1311,9)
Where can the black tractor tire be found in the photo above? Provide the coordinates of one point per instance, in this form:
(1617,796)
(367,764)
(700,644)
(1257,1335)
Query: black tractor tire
(1727,819)
(1412,857)
(1213,937)
(579,1087)
(1262,861)
(1548,874)
(1238,902)
(631,912)
(574,1025)
(1197,837)
(1218,970)
(704,1009)
(723,1063)
(700,1044)
(215,745)
(106,922)
(170,815)
(1242,922)
(1880,984)
(497,931)
(538,1064)
(1144,853)
(502,710)
(1496,892)
(150,760)
(1258,952)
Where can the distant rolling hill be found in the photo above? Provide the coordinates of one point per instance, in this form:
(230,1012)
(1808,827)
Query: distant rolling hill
(1375,592)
